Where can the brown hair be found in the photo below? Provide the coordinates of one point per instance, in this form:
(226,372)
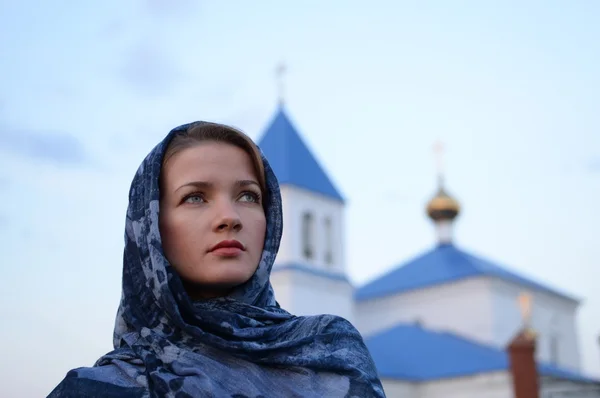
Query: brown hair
(205,131)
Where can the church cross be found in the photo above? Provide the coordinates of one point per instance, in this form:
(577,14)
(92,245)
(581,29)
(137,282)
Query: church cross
(525,306)
(438,151)
(279,72)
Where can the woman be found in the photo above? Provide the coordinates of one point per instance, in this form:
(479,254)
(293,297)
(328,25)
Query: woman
(198,317)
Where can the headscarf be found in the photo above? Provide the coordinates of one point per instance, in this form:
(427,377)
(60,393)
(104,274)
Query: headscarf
(242,345)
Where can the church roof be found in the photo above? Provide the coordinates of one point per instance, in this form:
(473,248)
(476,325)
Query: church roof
(445,263)
(291,160)
(413,353)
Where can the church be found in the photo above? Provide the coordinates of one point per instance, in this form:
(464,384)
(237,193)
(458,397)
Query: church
(437,325)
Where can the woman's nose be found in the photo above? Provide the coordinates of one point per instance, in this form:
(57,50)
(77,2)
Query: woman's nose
(227,218)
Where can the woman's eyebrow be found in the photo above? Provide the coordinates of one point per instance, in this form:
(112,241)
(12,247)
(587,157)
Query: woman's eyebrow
(245,183)
(208,185)
(197,184)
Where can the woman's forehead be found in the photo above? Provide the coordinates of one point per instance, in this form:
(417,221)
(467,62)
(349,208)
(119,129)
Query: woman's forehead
(211,162)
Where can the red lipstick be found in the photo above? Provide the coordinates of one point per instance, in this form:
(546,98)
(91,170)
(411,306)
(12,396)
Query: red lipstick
(227,248)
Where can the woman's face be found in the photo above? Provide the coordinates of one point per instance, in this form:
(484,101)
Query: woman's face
(212,221)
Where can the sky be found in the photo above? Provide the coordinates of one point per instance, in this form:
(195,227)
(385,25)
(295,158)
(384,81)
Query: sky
(511,89)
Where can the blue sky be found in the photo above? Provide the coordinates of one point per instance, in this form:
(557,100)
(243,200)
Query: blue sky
(86,91)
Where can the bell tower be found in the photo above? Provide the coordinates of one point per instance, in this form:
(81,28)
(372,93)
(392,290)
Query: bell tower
(309,276)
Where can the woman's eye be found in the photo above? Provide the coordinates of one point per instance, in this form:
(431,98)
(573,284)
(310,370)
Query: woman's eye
(250,197)
(194,199)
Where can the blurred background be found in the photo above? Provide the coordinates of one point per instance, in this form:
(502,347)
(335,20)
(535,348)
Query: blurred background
(87,89)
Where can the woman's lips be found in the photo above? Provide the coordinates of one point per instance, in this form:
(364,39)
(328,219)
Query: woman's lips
(227,248)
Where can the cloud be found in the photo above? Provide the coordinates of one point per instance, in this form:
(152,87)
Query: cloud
(113,29)
(594,165)
(4,183)
(162,8)
(4,187)
(54,147)
(149,70)
(150,65)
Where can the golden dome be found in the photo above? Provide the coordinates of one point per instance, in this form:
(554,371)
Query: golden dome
(443,207)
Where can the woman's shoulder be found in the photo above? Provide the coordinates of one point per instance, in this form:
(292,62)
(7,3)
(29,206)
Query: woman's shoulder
(340,342)
(98,381)
(336,333)
(328,323)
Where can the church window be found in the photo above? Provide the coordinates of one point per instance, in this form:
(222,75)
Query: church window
(553,341)
(308,235)
(328,227)
(554,352)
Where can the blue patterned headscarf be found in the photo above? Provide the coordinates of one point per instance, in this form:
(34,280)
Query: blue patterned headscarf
(243,345)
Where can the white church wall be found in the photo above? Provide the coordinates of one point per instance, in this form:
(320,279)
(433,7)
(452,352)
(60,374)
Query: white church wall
(462,307)
(553,319)
(399,389)
(550,388)
(486,385)
(283,289)
(288,239)
(296,201)
(302,293)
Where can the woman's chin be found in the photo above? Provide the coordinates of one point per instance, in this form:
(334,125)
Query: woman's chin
(219,284)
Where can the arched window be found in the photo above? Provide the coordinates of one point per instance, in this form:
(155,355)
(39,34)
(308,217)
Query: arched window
(308,234)
(554,349)
(554,341)
(328,229)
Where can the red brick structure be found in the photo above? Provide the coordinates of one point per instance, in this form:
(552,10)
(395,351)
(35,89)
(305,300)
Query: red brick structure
(523,369)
